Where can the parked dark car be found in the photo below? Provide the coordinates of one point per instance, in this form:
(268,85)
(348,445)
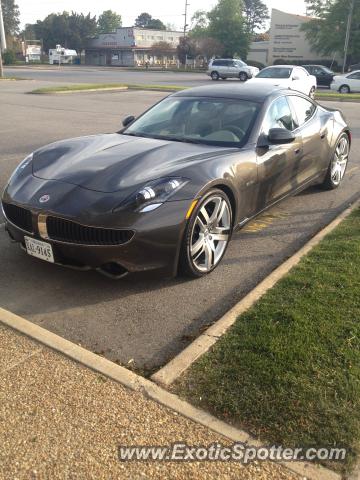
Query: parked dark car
(167,192)
(324,75)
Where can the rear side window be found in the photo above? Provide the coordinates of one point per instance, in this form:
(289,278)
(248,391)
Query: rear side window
(304,110)
(355,76)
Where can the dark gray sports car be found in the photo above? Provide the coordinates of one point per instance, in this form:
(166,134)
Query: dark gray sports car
(167,192)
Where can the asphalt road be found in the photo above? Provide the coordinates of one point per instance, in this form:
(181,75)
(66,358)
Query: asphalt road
(141,321)
(86,74)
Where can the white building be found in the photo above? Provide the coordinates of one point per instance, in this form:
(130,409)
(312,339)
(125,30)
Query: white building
(287,41)
(132,47)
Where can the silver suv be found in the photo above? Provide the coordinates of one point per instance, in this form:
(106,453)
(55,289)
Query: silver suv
(230,68)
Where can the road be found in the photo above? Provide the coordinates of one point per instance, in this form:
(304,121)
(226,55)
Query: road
(85,74)
(140,321)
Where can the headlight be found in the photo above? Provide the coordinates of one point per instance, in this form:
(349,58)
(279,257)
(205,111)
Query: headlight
(153,194)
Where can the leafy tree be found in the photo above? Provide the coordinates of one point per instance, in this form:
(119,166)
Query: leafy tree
(145,20)
(327,31)
(208,47)
(69,30)
(199,24)
(11,14)
(162,48)
(187,48)
(108,22)
(228,26)
(256,13)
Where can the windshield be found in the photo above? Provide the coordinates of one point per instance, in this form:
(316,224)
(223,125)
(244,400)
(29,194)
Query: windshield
(281,72)
(212,121)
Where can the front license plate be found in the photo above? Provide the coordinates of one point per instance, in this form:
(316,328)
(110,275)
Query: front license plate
(39,249)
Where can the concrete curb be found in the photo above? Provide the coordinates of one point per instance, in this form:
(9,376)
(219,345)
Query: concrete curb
(151,390)
(171,371)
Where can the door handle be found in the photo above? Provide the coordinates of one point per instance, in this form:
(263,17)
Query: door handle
(323,134)
(297,151)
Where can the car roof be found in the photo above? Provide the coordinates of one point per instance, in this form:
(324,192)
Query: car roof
(247,91)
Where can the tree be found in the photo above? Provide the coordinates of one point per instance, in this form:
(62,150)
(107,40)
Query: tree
(256,14)
(208,47)
(145,20)
(187,48)
(228,26)
(69,30)
(11,14)
(326,33)
(199,24)
(162,48)
(108,22)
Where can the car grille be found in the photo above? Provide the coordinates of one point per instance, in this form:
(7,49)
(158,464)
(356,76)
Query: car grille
(72,232)
(18,216)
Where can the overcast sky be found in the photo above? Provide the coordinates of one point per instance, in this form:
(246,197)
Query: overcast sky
(167,11)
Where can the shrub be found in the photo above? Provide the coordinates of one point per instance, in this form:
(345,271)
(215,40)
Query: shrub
(9,57)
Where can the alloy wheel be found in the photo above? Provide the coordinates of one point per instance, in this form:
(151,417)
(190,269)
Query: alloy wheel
(210,233)
(340,160)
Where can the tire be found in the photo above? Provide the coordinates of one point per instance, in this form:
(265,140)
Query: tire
(200,252)
(338,163)
(215,76)
(243,76)
(312,93)
(344,89)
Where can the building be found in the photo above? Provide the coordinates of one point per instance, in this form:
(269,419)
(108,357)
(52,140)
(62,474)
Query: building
(130,47)
(287,42)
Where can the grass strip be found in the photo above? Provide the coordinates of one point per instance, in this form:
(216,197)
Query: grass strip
(344,97)
(288,371)
(105,86)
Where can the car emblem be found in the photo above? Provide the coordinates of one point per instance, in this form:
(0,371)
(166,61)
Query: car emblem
(44,198)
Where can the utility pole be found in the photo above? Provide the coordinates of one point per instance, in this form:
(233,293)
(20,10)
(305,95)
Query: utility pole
(2,41)
(348,32)
(186,25)
(185,15)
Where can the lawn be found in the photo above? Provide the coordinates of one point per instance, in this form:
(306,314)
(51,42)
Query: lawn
(105,86)
(288,371)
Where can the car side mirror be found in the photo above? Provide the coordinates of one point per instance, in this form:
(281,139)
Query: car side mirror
(295,77)
(280,136)
(127,120)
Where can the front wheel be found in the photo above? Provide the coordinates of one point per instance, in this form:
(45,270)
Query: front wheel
(312,93)
(338,164)
(207,235)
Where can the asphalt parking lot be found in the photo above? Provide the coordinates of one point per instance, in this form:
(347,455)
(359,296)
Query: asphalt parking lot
(141,320)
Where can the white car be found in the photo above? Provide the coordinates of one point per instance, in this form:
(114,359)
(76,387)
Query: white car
(230,68)
(288,76)
(347,83)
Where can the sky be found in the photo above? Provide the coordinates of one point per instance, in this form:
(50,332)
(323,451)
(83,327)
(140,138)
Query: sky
(168,12)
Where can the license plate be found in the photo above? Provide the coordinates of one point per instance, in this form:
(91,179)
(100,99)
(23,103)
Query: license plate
(39,249)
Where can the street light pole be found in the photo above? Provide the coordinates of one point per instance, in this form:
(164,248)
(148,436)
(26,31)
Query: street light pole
(185,26)
(2,41)
(348,32)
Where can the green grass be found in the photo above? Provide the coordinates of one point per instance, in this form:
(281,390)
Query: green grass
(345,97)
(288,371)
(105,86)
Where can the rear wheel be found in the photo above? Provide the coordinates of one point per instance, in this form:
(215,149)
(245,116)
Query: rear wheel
(338,164)
(215,76)
(207,235)
(344,89)
(243,76)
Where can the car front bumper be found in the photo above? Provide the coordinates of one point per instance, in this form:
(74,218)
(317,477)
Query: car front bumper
(155,244)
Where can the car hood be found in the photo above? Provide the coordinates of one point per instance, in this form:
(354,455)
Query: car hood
(112,162)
